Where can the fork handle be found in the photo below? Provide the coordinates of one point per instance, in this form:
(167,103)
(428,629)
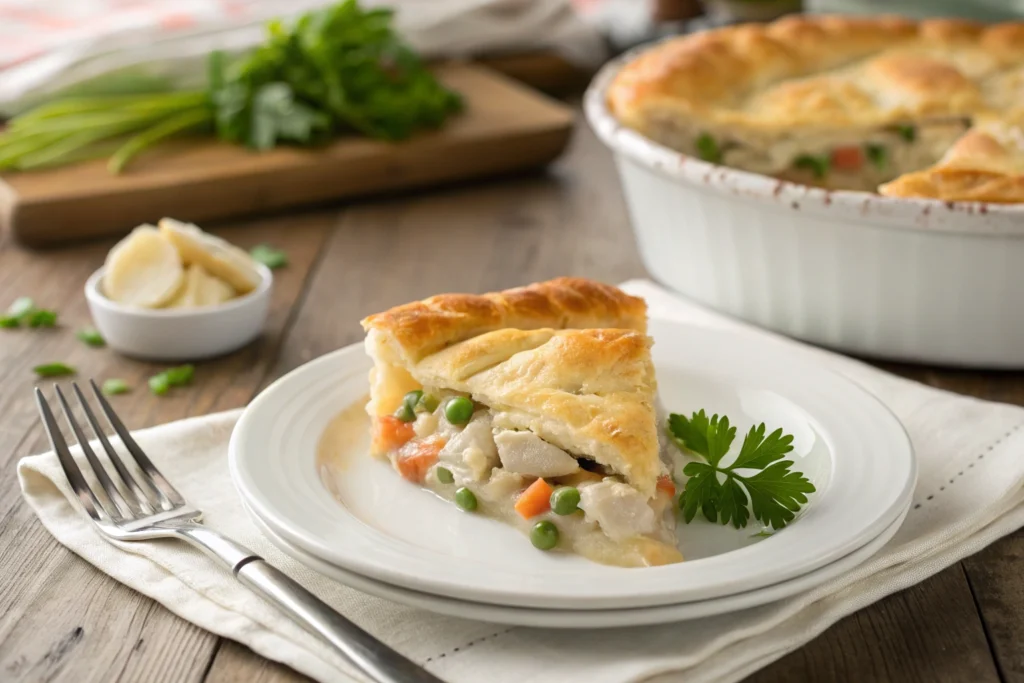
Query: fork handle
(370,655)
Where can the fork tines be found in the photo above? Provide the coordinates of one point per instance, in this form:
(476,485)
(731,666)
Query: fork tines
(124,500)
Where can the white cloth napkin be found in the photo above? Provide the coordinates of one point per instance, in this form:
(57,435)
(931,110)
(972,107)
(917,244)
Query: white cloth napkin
(61,44)
(969,494)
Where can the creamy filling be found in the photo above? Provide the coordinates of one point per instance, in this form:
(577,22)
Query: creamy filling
(837,159)
(615,523)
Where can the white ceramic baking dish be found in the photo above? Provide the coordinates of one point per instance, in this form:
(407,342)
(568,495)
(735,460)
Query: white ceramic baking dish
(914,280)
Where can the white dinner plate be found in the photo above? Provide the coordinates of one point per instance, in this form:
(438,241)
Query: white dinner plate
(561,618)
(384,528)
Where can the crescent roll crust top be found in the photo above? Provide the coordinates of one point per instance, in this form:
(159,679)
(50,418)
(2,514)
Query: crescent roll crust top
(417,329)
(840,102)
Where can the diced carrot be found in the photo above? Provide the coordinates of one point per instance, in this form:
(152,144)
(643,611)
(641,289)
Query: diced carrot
(416,457)
(534,500)
(848,158)
(666,484)
(390,433)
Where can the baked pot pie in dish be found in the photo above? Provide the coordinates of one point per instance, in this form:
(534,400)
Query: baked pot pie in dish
(535,406)
(909,109)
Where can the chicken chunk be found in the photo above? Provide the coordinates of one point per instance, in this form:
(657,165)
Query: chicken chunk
(526,453)
(621,511)
(472,449)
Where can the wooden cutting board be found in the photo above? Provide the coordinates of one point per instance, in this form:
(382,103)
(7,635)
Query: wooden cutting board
(505,127)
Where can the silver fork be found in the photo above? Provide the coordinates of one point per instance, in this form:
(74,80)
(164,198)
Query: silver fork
(150,508)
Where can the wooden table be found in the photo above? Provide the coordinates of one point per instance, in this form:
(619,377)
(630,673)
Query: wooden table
(61,620)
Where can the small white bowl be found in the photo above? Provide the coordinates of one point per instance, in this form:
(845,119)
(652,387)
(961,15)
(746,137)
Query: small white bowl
(180,334)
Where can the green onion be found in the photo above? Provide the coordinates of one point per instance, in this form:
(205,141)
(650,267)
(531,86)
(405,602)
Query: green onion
(192,118)
(268,256)
(53,370)
(90,336)
(41,318)
(113,386)
(161,383)
(17,311)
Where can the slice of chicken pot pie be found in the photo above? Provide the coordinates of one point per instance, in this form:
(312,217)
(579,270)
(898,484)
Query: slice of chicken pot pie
(535,406)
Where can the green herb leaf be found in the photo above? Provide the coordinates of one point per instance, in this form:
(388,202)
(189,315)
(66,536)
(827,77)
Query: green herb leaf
(907,132)
(113,386)
(709,437)
(268,256)
(818,165)
(776,494)
(278,117)
(331,71)
(91,337)
(877,155)
(708,149)
(53,370)
(773,493)
(759,451)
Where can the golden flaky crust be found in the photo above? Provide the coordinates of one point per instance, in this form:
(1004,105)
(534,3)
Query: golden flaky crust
(568,359)
(420,328)
(816,75)
(589,392)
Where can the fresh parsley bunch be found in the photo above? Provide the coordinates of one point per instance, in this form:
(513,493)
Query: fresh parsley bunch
(337,70)
(758,477)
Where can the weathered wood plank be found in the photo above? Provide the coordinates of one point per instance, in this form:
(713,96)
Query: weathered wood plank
(929,632)
(236,663)
(998,585)
(60,619)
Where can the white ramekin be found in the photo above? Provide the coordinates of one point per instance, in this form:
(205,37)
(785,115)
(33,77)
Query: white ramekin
(915,280)
(180,334)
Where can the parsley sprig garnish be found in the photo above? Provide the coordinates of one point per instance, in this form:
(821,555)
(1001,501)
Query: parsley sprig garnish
(757,482)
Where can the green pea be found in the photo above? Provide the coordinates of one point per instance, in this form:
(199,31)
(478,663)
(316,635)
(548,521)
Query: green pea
(544,535)
(412,398)
(405,413)
(428,403)
(565,500)
(459,410)
(445,476)
(465,499)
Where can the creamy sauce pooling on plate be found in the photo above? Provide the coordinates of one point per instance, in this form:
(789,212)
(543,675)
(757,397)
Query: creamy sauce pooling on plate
(345,438)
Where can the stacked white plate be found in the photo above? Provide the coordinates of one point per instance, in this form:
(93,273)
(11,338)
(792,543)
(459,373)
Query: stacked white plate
(384,536)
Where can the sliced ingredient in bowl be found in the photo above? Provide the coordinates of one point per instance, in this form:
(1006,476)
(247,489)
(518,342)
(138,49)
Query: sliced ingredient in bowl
(144,269)
(177,266)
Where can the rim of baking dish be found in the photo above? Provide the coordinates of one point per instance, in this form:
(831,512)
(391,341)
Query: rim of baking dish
(976,219)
